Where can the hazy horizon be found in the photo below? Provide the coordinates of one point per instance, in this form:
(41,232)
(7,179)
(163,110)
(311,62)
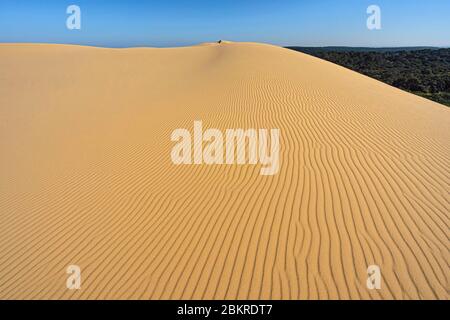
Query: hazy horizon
(172,24)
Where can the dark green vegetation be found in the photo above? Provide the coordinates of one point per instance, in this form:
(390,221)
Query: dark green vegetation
(422,71)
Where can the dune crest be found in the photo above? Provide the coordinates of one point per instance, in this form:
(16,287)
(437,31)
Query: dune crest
(87,179)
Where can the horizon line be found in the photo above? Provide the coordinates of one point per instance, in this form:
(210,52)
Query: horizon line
(231,41)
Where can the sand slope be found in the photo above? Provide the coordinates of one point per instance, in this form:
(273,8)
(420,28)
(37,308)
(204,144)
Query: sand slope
(86,177)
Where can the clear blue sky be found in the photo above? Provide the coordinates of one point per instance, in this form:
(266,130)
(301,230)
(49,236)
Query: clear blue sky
(118,23)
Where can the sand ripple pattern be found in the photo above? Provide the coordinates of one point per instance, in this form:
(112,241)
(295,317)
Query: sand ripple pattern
(86,178)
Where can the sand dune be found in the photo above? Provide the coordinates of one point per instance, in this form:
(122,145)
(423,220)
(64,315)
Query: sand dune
(86,178)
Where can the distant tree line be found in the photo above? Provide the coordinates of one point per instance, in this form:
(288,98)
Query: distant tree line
(425,72)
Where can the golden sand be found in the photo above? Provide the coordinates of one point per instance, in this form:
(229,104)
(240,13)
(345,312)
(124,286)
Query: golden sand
(86,177)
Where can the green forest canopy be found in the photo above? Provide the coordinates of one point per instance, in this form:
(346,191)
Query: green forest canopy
(422,71)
